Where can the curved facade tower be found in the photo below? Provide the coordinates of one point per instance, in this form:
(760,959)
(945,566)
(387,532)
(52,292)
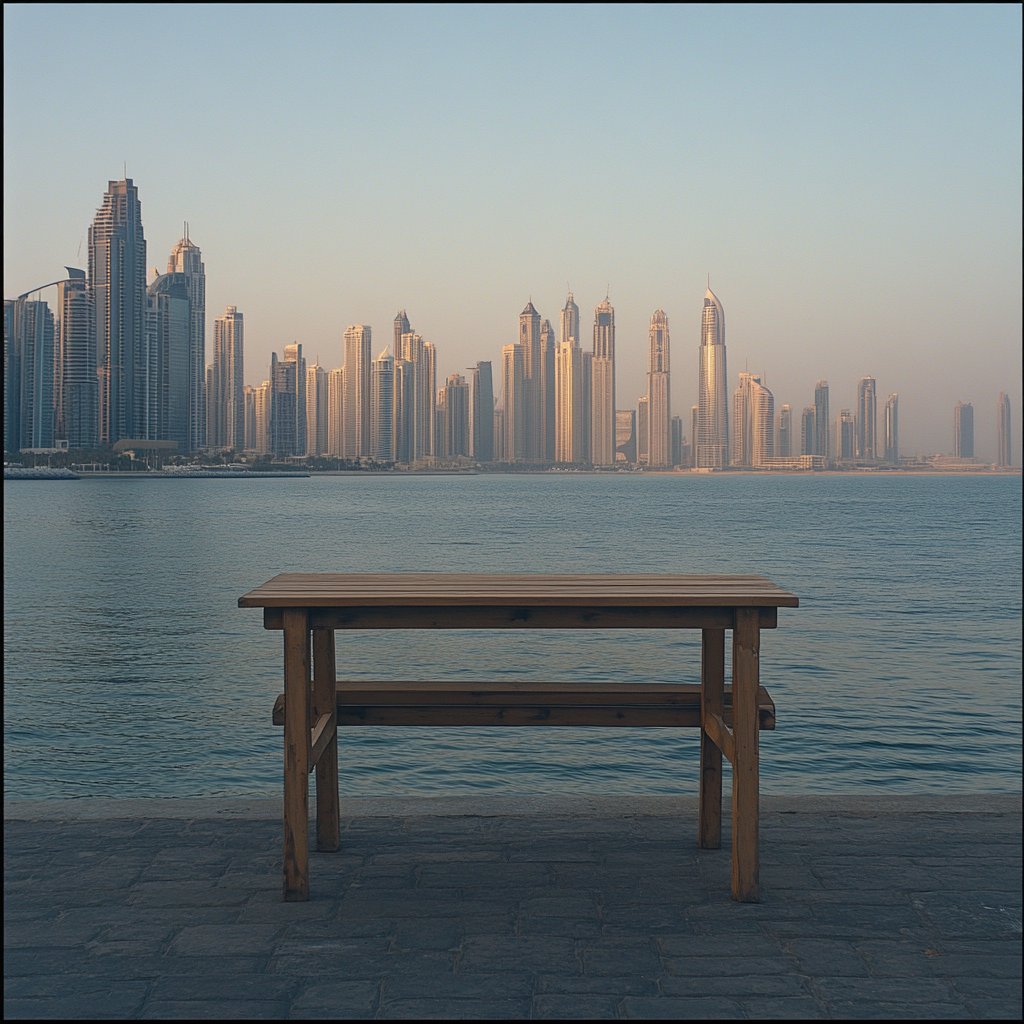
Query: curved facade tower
(713,397)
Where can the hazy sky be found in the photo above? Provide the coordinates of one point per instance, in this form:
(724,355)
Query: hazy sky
(848,175)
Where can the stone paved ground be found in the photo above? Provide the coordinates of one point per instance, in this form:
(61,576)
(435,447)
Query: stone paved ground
(503,908)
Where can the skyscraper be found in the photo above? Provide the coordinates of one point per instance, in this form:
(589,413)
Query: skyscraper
(570,424)
(34,334)
(821,431)
(1005,457)
(513,401)
(165,410)
(284,407)
(808,431)
(117,286)
(228,381)
(357,391)
(892,429)
(676,427)
(401,327)
(694,423)
(602,392)
(545,391)
(186,259)
(317,409)
(963,430)
(263,407)
(753,425)
(482,411)
(846,430)
(785,446)
(643,430)
(293,354)
(456,420)
(532,426)
(405,411)
(336,413)
(79,385)
(659,394)
(382,408)
(712,394)
(867,419)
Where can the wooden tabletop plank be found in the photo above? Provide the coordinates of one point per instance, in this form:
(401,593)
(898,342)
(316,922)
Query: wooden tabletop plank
(352,590)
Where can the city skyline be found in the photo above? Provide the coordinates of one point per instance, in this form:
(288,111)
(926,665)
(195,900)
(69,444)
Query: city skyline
(815,168)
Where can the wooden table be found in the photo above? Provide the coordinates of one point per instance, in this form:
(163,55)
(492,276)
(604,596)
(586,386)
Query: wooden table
(302,604)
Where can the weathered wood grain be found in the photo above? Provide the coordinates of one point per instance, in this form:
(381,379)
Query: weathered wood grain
(712,688)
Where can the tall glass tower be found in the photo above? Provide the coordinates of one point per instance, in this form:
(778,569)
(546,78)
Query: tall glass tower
(712,397)
(117,287)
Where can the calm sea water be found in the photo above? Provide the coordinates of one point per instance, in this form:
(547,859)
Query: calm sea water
(130,671)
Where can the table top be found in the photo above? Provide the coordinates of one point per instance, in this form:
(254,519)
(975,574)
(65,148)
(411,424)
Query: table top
(446,590)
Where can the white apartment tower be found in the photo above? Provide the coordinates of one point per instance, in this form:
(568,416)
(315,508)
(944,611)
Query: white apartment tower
(317,409)
(867,419)
(357,392)
(227,428)
(187,259)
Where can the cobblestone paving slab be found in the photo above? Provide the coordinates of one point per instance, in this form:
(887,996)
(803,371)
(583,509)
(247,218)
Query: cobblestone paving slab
(889,910)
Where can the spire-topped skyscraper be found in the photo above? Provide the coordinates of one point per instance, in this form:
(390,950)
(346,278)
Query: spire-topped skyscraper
(713,398)
(187,259)
(117,292)
(602,398)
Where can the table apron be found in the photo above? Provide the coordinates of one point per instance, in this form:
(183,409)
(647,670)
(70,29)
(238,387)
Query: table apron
(511,617)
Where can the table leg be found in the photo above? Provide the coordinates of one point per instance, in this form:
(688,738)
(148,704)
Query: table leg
(325,702)
(746,642)
(712,687)
(296,754)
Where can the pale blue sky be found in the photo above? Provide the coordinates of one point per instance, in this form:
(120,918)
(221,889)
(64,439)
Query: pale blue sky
(849,175)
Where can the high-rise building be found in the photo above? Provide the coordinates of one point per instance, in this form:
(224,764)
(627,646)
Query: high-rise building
(317,409)
(1005,456)
(846,431)
(571,426)
(250,418)
(659,394)
(808,430)
(867,419)
(785,445)
(287,431)
(166,411)
(401,327)
(117,287)
(482,412)
(456,420)
(513,400)
(10,380)
(263,405)
(405,411)
(602,389)
(336,413)
(694,424)
(186,259)
(382,408)
(34,414)
(753,424)
(499,435)
(712,395)
(643,430)
(422,355)
(963,430)
(79,385)
(211,393)
(821,431)
(357,391)
(228,429)
(532,426)
(892,429)
(625,436)
(545,391)
(676,428)
(428,372)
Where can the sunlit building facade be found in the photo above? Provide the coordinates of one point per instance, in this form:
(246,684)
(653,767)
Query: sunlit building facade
(753,423)
(712,394)
(382,408)
(187,259)
(357,391)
